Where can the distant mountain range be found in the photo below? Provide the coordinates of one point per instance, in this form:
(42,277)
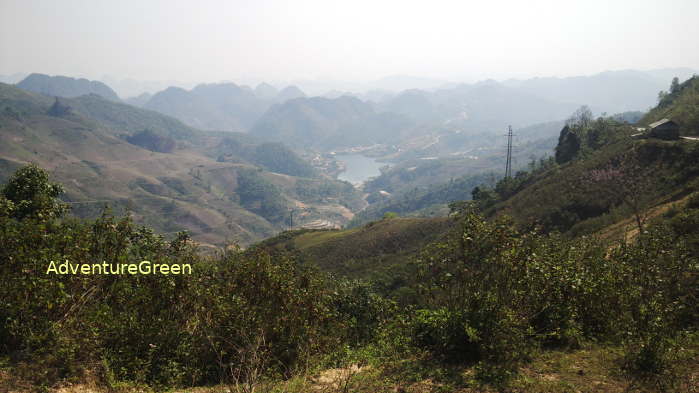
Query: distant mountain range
(482,107)
(346,119)
(223,106)
(218,106)
(129,87)
(611,91)
(330,123)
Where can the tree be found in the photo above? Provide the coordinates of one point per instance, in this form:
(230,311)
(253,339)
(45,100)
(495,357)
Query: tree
(29,193)
(568,145)
(675,85)
(484,197)
(390,215)
(569,141)
(59,109)
(628,182)
(149,139)
(582,117)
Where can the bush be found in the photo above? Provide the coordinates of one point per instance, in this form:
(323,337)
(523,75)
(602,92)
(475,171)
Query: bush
(362,311)
(235,318)
(492,294)
(446,334)
(162,330)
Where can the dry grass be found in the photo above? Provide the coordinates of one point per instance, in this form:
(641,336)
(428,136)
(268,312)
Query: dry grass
(627,229)
(591,369)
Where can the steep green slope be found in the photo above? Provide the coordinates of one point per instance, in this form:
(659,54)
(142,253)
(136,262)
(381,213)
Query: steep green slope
(511,311)
(567,198)
(680,104)
(605,175)
(380,250)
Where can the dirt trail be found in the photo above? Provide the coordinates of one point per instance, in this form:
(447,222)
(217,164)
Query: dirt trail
(336,379)
(628,229)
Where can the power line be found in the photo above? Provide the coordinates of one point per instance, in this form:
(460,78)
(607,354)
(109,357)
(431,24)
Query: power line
(508,165)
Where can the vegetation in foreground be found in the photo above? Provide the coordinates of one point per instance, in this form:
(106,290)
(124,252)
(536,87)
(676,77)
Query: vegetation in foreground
(492,303)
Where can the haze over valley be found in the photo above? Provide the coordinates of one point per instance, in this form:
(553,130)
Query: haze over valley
(182,152)
(349,197)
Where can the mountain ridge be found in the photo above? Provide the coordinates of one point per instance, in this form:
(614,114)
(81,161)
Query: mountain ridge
(63,86)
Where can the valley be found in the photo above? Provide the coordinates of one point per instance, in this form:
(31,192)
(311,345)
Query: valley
(333,158)
(219,187)
(345,245)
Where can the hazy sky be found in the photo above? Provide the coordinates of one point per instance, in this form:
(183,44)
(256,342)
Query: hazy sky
(344,40)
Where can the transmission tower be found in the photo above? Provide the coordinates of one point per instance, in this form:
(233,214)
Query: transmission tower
(508,167)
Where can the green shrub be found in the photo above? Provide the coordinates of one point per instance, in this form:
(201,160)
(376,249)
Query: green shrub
(492,294)
(445,334)
(236,318)
(362,311)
